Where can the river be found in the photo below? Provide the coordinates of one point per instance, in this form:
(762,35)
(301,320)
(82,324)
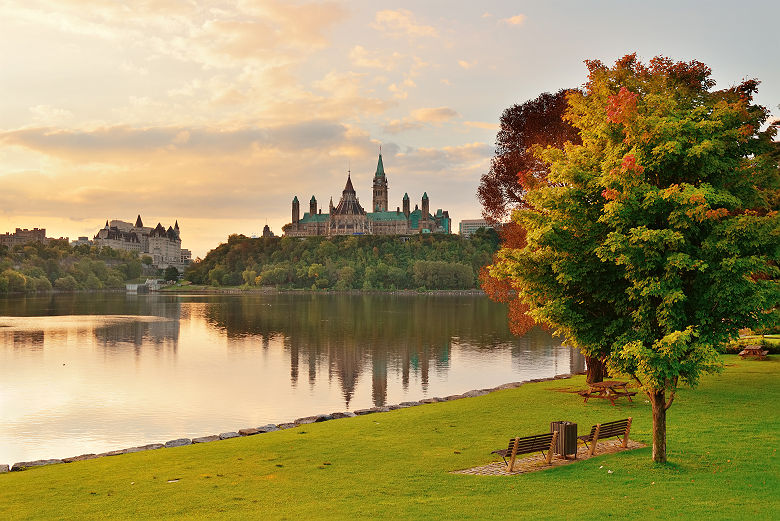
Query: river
(92,372)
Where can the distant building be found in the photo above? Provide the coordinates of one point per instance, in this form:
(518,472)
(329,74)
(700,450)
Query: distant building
(349,217)
(469,226)
(267,232)
(163,245)
(81,241)
(25,236)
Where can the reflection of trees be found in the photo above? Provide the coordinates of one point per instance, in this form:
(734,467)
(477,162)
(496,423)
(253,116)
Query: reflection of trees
(132,332)
(23,339)
(411,334)
(162,333)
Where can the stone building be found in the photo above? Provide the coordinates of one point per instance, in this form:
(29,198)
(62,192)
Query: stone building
(163,245)
(350,218)
(24,236)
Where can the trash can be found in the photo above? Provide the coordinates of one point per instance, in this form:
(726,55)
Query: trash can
(566,444)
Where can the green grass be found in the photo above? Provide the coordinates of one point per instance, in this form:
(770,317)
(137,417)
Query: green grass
(722,442)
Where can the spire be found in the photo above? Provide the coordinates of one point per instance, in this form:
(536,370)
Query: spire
(176,225)
(380,168)
(406,197)
(106,224)
(138,222)
(425,195)
(348,187)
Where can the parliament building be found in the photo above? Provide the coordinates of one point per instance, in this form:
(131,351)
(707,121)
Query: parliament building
(349,217)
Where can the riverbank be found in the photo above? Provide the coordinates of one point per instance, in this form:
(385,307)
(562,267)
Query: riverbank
(396,465)
(249,290)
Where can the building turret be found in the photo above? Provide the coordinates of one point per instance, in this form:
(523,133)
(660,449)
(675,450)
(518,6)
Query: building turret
(330,207)
(425,205)
(380,187)
(296,210)
(138,222)
(406,205)
(313,206)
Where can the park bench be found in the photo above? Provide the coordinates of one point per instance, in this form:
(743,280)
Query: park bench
(527,445)
(609,390)
(602,431)
(754,351)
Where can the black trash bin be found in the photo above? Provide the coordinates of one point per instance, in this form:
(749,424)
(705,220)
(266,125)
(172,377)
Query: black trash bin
(566,444)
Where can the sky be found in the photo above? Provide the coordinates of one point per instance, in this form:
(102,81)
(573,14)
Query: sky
(218,113)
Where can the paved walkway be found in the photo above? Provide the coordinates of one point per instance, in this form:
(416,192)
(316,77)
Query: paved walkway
(536,461)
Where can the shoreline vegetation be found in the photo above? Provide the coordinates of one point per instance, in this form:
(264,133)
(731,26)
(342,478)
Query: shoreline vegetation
(371,262)
(399,464)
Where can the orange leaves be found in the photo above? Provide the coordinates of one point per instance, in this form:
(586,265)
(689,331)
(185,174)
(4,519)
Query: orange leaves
(609,194)
(629,164)
(716,214)
(621,107)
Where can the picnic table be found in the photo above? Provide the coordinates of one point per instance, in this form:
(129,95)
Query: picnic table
(754,351)
(608,390)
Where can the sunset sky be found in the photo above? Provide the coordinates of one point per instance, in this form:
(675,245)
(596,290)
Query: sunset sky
(217,113)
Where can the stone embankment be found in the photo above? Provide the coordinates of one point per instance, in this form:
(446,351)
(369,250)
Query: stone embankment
(251,431)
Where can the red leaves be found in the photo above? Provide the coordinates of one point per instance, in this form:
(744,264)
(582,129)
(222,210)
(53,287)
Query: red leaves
(609,194)
(622,106)
(629,165)
(716,214)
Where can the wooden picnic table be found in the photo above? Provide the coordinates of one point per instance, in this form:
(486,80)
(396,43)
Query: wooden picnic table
(755,351)
(608,390)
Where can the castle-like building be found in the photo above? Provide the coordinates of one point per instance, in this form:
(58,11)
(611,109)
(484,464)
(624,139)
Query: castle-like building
(349,217)
(163,245)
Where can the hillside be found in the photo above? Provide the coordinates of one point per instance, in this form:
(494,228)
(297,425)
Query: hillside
(42,267)
(348,262)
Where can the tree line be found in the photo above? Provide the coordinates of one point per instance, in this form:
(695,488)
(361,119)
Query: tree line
(56,265)
(348,262)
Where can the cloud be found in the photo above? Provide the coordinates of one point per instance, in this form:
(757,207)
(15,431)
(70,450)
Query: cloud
(401,22)
(434,115)
(482,124)
(396,126)
(419,118)
(111,142)
(359,56)
(467,65)
(518,19)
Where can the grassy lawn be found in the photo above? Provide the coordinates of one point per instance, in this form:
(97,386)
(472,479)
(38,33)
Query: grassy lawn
(722,440)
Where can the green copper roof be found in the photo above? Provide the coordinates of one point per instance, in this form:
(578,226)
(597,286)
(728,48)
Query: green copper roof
(425,195)
(295,199)
(386,216)
(380,168)
(312,199)
(316,218)
(406,197)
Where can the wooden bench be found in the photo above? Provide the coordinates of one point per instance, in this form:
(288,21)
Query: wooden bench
(527,445)
(755,351)
(601,431)
(609,390)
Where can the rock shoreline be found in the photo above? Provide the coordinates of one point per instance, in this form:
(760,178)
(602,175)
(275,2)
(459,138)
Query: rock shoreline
(251,431)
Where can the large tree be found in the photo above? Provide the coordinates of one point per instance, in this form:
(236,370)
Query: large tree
(657,238)
(515,170)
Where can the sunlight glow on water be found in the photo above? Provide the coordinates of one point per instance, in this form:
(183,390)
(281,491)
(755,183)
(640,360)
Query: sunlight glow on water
(91,373)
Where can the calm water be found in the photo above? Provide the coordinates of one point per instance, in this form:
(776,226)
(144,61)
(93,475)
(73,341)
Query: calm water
(90,373)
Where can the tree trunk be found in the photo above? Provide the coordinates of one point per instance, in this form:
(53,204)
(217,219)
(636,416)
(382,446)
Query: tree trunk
(596,370)
(658,401)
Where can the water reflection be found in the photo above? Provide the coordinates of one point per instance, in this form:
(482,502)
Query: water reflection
(92,372)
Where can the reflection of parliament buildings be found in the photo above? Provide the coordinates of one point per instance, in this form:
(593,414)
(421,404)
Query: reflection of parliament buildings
(349,217)
(415,341)
(409,337)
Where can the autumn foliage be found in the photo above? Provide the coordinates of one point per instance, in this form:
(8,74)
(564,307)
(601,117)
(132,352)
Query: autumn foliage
(655,239)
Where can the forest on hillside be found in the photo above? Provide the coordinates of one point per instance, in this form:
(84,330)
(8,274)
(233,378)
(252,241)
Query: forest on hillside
(348,262)
(56,265)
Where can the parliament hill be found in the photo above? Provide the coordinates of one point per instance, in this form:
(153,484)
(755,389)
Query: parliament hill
(350,218)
